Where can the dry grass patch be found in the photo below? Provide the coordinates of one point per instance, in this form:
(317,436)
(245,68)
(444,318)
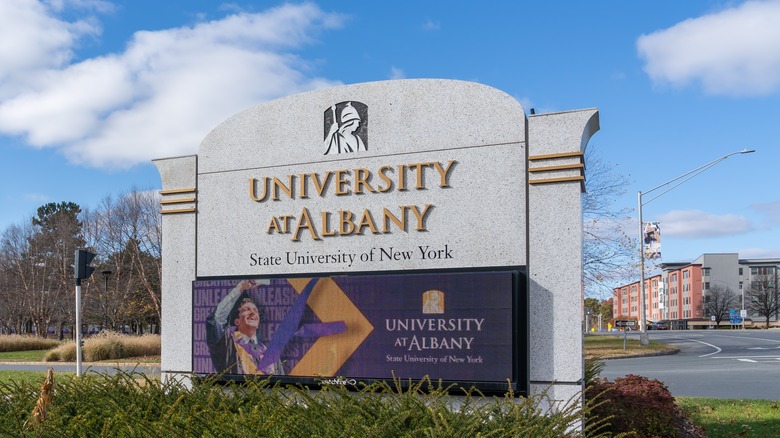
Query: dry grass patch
(108,346)
(609,346)
(25,343)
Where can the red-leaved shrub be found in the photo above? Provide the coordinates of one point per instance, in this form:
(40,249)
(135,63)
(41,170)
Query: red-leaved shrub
(634,404)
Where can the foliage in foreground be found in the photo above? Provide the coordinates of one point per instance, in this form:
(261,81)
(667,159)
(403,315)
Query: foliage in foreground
(108,345)
(25,343)
(134,405)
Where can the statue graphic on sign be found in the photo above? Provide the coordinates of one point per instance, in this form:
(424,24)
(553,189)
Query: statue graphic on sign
(433,302)
(346,128)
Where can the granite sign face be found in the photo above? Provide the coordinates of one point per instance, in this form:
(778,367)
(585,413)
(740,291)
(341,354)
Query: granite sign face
(419,187)
(377,230)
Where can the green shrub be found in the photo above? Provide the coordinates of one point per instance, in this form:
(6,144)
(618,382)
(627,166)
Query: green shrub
(129,404)
(25,343)
(634,404)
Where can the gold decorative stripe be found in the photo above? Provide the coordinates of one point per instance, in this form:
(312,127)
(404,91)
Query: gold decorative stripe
(179,211)
(557,180)
(552,168)
(177,191)
(177,201)
(561,155)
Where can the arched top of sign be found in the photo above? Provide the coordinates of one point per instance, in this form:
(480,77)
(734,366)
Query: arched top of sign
(406,116)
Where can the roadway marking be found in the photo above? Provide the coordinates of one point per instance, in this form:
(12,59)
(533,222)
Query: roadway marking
(743,337)
(718,350)
(747,357)
(746,360)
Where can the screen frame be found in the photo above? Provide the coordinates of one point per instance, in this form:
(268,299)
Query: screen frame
(519,384)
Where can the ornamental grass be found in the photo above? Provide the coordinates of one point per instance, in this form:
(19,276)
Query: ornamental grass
(106,346)
(25,343)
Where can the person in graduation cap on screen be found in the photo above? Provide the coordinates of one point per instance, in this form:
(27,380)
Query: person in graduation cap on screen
(232,335)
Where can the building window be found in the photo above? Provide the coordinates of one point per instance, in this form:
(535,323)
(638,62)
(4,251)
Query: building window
(740,271)
(762,270)
(685,274)
(706,285)
(674,277)
(740,285)
(705,272)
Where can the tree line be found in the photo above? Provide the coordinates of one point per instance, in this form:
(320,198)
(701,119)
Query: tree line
(37,287)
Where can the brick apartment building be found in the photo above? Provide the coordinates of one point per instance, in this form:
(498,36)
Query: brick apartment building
(678,293)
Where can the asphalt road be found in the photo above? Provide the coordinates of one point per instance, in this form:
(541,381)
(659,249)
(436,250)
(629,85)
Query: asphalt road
(718,364)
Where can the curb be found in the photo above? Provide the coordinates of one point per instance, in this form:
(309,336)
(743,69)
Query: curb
(632,356)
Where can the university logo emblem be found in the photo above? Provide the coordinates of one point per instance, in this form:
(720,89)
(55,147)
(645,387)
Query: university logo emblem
(346,128)
(433,302)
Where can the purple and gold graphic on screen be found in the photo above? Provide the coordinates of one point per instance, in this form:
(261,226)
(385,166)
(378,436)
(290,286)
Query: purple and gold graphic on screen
(450,326)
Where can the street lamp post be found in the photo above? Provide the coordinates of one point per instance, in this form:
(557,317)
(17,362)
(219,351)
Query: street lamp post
(106,274)
(643,338)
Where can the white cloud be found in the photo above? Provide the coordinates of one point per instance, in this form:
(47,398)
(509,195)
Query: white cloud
(732,52)
(397,73)
(759,253)
(431,25)
(36,197)
(162,95)
(694,224)
(771,210)
(33,40)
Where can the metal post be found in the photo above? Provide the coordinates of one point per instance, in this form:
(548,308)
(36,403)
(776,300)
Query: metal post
(106,274)
(743,307)
(643,339)
(78,328)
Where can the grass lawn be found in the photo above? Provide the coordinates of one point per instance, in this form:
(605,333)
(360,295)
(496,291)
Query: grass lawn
(733,418)
(612,346)
(22,356)
(37,356)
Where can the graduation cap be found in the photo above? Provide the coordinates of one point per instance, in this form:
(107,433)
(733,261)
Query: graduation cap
(244,297)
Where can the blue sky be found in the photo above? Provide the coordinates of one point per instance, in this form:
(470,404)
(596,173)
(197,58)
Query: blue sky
(91,91)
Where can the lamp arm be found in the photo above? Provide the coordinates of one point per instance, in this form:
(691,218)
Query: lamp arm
(690,175)
(696,171)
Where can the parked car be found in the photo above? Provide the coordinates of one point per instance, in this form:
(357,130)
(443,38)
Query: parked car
(659,325)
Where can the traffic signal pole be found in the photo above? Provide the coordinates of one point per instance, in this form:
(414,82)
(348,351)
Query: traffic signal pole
(81,270)
(78,327)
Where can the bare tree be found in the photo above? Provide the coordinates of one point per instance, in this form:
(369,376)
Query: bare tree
(608,252)
(126,232)
(718,300)
(18,279)
(762,296)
